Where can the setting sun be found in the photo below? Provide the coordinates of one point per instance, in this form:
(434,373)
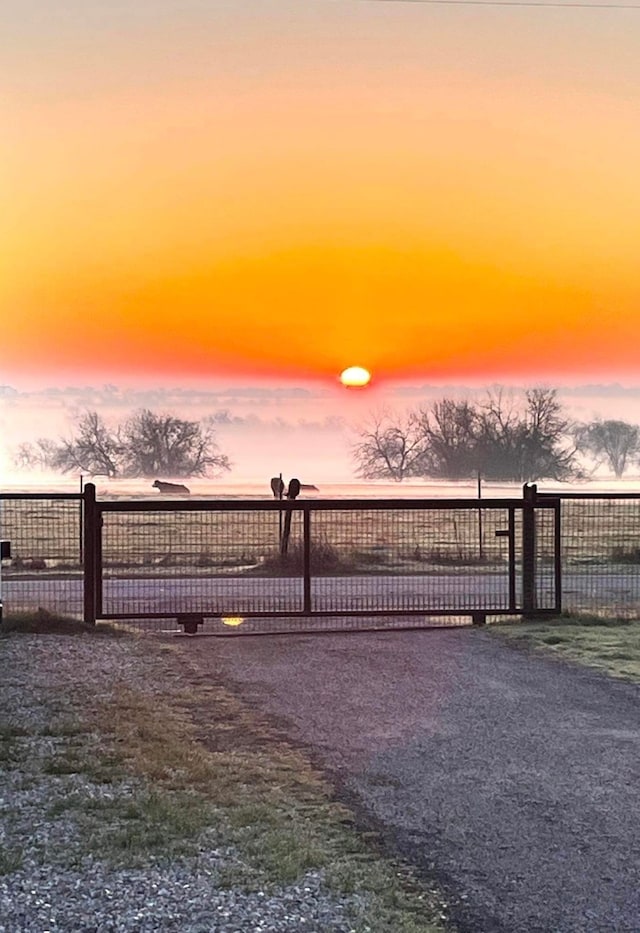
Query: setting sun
(355,377)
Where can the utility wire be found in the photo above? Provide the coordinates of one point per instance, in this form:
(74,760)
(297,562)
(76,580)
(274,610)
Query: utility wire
(550,3)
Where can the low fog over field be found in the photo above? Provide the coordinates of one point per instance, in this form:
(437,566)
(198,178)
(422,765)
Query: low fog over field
(305,431)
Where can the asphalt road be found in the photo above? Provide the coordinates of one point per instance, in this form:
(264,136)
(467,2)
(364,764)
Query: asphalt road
(612,589)
(512,779)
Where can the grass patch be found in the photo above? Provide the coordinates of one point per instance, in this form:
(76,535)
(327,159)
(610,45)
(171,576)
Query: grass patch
(43,622)
(325,560)
(610,645)
(458,558)
(212,763)
(10,730)
(148,823)
(10,747)
(10,860)
(621,555)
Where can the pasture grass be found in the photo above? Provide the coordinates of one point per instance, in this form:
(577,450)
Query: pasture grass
(45,538)
(610,645)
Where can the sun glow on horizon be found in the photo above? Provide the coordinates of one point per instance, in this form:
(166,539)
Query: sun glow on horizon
(355,377)
(190,193)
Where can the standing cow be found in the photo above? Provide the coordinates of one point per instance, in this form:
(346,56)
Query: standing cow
(171,489)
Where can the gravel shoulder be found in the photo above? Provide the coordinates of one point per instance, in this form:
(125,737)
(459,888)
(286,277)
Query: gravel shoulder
(122,810)
(512,778)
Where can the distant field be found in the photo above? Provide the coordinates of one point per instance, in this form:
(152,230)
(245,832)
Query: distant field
(46,536)
(593,533)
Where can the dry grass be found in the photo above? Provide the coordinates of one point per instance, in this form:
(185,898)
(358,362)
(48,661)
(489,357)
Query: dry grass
(264,796)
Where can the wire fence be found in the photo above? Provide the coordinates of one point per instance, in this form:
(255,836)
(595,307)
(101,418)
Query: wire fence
(600,554)
(362,564)
(45,569)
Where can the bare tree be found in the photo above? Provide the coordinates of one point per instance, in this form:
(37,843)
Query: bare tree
(40,455)
(147,444)
(450,433)
(616,442)
(526,443)
(163,445)
(94,449)
(390,447)
(506,439)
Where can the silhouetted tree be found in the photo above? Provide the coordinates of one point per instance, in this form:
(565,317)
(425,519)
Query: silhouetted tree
(530,443)
(504,439)
(390,447)
(616,442)
(163,445)
(450,433)
(94,449)
(39,455)
(147,444)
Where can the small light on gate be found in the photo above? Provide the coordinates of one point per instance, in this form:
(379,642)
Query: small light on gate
(232,620)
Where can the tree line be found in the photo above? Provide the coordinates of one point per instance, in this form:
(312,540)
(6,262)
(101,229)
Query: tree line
(146,444)
(505,439)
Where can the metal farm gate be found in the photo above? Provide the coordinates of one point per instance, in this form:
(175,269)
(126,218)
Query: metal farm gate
(265,566)
(260,566)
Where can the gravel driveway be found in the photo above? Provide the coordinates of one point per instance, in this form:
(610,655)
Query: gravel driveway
(511,778)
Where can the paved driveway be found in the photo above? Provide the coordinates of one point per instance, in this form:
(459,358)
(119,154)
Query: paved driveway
(513,779)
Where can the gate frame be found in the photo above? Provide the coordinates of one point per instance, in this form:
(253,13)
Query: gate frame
(530,502)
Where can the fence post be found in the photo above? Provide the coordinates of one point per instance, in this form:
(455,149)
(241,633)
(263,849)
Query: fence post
(286,530)
(90,562)
(529,603)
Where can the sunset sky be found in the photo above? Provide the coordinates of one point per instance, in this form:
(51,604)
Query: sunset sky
(282,188)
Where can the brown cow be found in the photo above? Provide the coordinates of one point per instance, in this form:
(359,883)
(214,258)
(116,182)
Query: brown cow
(171,489)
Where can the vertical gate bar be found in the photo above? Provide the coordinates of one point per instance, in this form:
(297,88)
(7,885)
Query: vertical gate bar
(98,560)
(557,555)
(512,558)
(90,554)
(81,522)
(306,558)
(480,545)
(528,551)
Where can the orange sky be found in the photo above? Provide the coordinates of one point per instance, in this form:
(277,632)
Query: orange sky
(275,188)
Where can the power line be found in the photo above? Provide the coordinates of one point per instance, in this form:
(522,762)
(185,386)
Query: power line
(549,3)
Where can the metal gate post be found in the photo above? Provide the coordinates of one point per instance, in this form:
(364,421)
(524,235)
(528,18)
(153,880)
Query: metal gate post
(529,602)
(90,557)
(306,559)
